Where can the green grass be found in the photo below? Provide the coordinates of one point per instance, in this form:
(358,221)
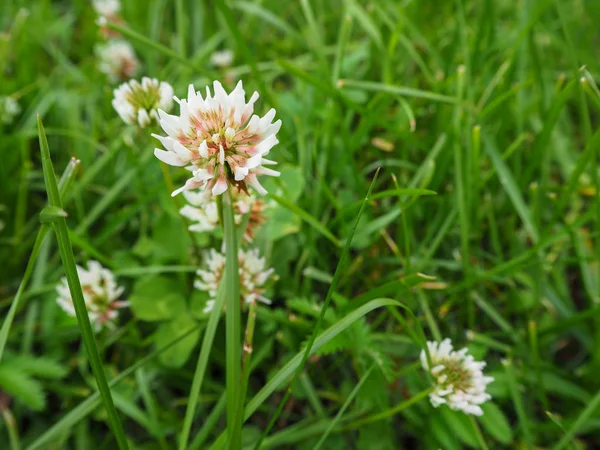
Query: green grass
(482,118)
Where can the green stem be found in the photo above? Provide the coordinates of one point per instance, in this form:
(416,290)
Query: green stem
(11,426)
(249,337)
(232,327)
(389,412)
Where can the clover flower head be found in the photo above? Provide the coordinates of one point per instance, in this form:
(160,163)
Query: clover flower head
(219,139)
(202,210)
(9,108)
(458,379)
(137,103)
(117,60)
(254,277)
(107,8)
(222,58)
(100,293)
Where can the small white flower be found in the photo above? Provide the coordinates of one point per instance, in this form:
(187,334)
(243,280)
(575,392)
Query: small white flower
(222,58)
(202,210)
(458,379)
(117,60)
(221,140)
(138,103)
(100,292)
(9,108)
(107,8)
(253,277)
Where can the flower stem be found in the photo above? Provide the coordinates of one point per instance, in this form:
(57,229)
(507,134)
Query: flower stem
(389,412)
(480,439)
(247,354)
(232,327)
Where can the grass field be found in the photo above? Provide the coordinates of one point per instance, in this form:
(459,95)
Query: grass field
(439,179)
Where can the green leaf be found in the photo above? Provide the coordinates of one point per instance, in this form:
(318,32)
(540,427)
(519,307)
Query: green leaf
(460,425)
(40,367)
(50,213)
(290,184)
(178,354)
(167,248)
(495,423)
(280,222)
(24,388)
(157,298)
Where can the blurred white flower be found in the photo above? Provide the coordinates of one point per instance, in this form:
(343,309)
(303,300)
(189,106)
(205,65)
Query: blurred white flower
(459,380)
(9,108)
(254,277)
(202,210)
(107,8)
(117,60)
(138,103)
(222,58)
(221,139)
(100,292)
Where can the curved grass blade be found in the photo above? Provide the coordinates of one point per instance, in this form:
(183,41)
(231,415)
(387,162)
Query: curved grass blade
(332,288)
(340,413)
(92,402)
(83,320)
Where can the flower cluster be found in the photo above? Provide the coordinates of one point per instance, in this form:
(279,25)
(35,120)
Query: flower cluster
(203,212)
(219,139)
(222,58)
(116,57)
(138,103)
(254,277)
(117,60)
(100,292)
(9,108)
(458,379)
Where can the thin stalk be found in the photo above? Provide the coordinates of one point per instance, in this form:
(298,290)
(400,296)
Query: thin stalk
(13,432)
(249,337)
(83,320)
(388,412)
(332,288)
(232,327)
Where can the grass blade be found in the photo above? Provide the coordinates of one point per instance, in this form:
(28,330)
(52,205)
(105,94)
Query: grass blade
(68,259)
(330,292)
(340,413)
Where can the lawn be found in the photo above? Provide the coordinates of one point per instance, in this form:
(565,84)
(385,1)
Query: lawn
(413,178)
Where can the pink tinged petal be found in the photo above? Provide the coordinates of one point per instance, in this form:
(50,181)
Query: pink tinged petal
(220,186)
(253,181)
(189,184)
(229,134)
(203,149)
(169,158)
(249,109)
(221,155)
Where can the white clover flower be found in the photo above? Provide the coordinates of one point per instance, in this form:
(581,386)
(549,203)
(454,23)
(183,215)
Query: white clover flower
(117,60)
(222,58)
(107,8)
(459,380)
(138,103)
(221,139)
(253,277)
(100,292)
(9,108)
(202,210)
